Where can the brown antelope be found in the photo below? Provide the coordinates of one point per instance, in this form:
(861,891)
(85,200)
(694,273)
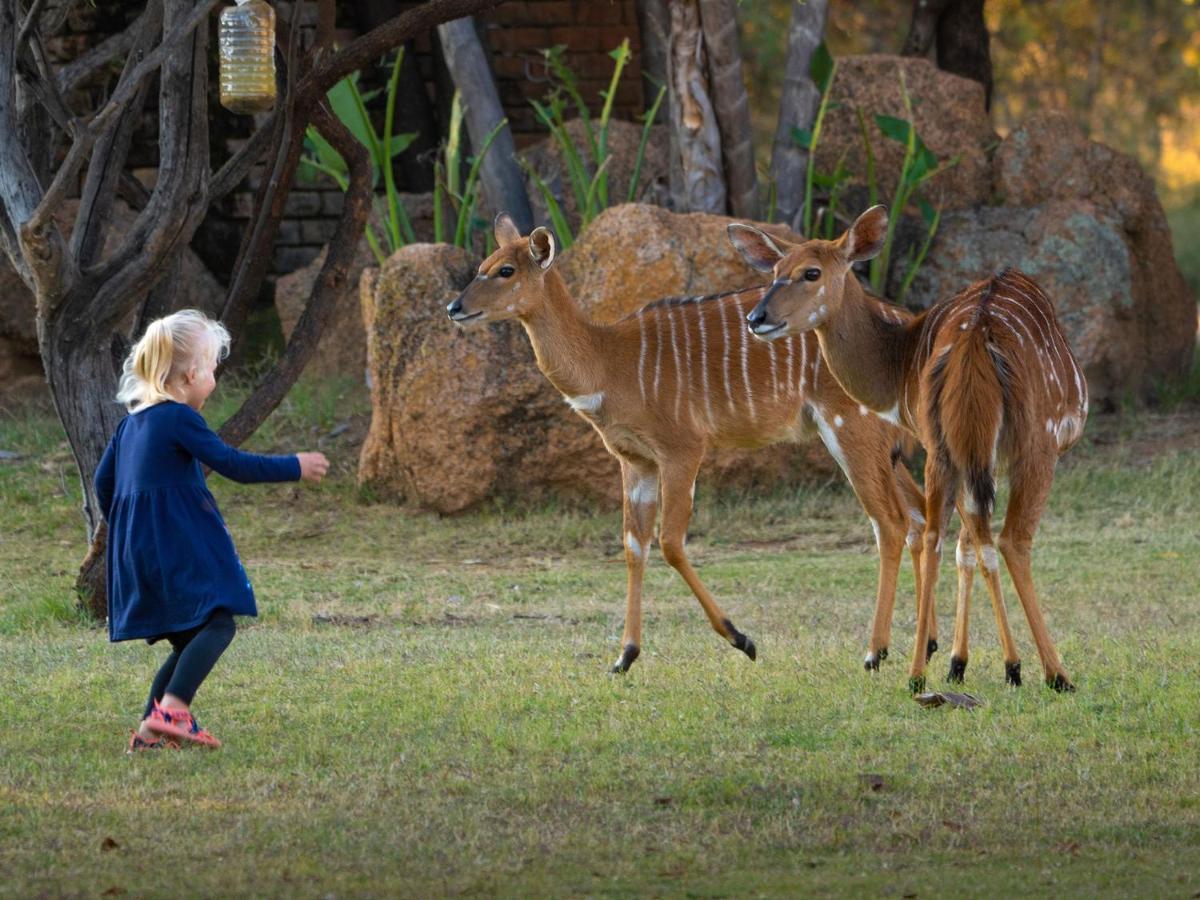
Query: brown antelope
(985,376)
(679,375)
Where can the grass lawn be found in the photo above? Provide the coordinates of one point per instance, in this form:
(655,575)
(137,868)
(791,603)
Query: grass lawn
(423,706)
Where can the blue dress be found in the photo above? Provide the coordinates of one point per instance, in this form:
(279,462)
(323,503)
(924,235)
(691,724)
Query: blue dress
(170,559)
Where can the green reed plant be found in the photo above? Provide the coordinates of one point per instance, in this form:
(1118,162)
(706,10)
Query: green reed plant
(463,196)
(587,182)
(349,104)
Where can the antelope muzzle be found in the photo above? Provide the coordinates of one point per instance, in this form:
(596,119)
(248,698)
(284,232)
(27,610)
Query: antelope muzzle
(760,321)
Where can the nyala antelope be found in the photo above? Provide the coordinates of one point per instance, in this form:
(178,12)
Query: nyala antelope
(679,375)
(983,378)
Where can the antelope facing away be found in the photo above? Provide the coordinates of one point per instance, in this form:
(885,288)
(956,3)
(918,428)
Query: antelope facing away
(981,378)
(679,375)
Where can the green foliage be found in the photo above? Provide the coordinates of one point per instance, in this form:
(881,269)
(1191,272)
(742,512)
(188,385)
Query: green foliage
(587,166)
(919,165)
(463,197)
(349,104)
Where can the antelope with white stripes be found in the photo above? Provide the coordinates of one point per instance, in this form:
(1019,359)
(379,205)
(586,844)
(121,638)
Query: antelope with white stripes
(666,382)
(982,378)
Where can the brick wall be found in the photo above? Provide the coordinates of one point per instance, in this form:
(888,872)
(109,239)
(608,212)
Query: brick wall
(515,33)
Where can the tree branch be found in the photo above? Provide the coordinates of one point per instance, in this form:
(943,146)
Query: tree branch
(254,253)
(82,68)
(329,285)
(730,104)
(34,227)
(238,166)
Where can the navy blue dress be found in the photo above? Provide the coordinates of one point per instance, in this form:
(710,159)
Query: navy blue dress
(170,559)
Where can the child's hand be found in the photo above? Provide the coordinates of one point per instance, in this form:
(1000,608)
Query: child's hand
(313,466)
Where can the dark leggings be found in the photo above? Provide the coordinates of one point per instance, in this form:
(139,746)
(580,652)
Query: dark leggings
(194,653)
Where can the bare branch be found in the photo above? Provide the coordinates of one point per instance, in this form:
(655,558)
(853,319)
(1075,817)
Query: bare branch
(380,41)
(329,284)
(238,166)
(30,22)
(253,254)
(82,68)
(65,176)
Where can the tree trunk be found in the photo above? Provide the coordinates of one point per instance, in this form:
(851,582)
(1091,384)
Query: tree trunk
(961,36)
(963,46)
(719,22)
(499,174)
(922,29)
(654,23)
(797,109)
(697,176)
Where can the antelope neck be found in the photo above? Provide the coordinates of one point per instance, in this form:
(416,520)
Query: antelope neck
(867,353)
(567,346)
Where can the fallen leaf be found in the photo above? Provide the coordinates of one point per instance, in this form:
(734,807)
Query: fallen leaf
(934,699)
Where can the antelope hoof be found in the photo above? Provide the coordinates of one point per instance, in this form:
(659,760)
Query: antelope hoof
(882,653)
(628,655)
(1060,683)
(740,641)
(930,649)
(916,684)
(1012,673)
(958,670)
(871,661)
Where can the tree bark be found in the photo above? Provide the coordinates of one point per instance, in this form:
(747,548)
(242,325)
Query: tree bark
(797,109)
(963,45)
(961,36)
(697,176)
(732,108)
(654,23)
(499,173)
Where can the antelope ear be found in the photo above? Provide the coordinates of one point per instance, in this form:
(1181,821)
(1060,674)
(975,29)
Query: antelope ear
(506,230)
(756,247)
(866,236)
(541,247)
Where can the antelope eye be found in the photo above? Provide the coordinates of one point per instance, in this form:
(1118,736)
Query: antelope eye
(506,272)
(812,274)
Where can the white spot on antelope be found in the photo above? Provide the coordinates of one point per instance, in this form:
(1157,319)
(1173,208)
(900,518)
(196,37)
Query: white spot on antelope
(838,422)
(643,491)
(875,528)
(989,558)
(634,547)
(964,556)
(890,415)
(830,439)
(586,402)
(1049,426)
(862,410)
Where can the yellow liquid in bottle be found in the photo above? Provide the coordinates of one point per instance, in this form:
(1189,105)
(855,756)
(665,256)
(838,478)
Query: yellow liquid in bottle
(246,37)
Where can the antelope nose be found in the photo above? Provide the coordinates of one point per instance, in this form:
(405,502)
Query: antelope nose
(756,316)
(454,310)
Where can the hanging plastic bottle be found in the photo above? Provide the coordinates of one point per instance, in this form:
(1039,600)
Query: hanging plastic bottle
(247,47)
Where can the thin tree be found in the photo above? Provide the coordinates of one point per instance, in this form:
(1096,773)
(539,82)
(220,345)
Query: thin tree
(84,295)
(797,107)
(958,31)
(730,105)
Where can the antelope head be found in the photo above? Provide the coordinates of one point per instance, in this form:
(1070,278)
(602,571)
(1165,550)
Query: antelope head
(809,277)
(509,284)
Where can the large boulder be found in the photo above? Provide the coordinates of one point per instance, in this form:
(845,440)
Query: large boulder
(342,349)
(462,416)
(949,114)
(1085,222)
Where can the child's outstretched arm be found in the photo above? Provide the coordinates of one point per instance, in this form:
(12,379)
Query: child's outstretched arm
(198,439)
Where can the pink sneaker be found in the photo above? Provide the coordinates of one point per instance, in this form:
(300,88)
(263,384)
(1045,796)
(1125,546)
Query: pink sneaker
(179,724)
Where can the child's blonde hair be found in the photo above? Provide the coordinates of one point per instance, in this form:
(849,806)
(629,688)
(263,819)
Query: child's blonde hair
(170,347)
